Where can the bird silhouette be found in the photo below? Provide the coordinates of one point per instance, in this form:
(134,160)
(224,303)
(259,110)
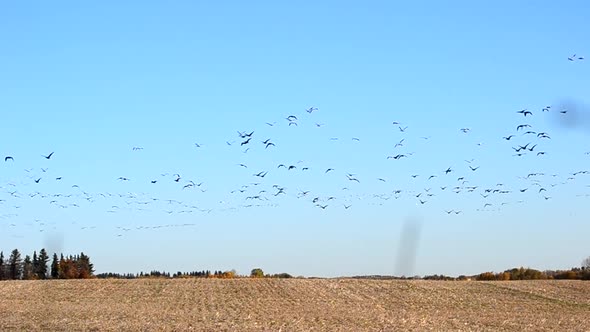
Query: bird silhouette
(7,158)
(48,156)
(522,126)
(525,112)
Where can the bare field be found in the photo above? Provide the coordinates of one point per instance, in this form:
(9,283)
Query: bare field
(293,305)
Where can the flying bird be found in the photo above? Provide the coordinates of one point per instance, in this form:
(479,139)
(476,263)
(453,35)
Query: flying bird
(244,134)
(48,156)
(352,178)
(573,58)
(525,112)
(7,158)
(396,157)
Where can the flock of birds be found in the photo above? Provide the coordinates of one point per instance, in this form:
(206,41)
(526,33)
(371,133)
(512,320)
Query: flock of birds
(259,190)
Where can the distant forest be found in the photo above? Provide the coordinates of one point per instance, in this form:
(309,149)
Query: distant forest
(37,267)
(521,273)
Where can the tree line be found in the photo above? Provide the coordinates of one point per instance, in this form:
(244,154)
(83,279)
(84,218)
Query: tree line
(37,267)
(163,274)
(219,274)
(522,273)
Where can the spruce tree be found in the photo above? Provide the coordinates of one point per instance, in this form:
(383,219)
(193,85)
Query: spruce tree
(27,268)
(55,267)
(2,266)
(35,263)
(85,268)
(42,260)
(15,265)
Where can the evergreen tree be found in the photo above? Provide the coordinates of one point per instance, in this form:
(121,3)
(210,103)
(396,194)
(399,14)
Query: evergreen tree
(41,270)
(85,268)
(27,268)
(35,263)
(15,265)
(55,267)
(2,266)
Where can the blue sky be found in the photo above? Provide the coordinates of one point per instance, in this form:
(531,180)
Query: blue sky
(92,81)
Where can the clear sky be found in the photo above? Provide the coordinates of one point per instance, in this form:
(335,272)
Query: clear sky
(153,91)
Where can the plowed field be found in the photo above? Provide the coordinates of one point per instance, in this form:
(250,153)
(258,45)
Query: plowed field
(293,305)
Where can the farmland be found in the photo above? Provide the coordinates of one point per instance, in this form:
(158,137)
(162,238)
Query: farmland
(292,305)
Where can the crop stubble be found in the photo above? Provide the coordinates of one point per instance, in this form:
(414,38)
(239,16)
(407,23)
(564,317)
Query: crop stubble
(293,305)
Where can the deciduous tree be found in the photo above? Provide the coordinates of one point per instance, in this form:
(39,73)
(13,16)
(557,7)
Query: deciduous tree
(257,273)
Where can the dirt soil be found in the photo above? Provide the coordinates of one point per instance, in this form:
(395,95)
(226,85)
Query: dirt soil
(293,305)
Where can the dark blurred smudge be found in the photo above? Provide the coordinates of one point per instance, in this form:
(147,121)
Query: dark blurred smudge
(54,243)
(408,247)
(572,114)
